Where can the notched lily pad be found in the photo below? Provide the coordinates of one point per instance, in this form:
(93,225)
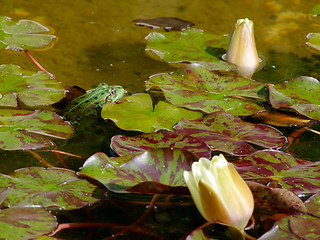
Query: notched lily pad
(124,145)
(157,171)
(53,188)
(136,113)
(225,132)
(300,94)
(168,23)
(188,46)
(197,88)
(279,169)
(23,35)
(25,223)
(29,88)
(22,129)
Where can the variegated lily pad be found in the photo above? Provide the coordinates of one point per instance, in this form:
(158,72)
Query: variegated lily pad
(22,129)
(23,35)
(197,88)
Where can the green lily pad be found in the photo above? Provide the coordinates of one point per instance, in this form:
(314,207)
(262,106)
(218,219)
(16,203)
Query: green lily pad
(300,94)
(31,89)
(280,169)
(136,113)
(197,88)
(22,129)
(316,9)
(53,188)
(23,35)
(225,132)
(124,145)
(25,223)
(188,46)
(313,40)
(157,171)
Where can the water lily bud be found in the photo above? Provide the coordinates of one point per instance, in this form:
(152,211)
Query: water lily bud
(242,49)
(219,192)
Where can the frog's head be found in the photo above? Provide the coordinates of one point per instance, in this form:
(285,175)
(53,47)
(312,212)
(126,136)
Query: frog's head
(115,93)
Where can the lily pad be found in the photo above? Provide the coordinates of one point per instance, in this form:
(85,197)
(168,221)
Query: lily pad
(22,129)
(53,188)
(225,132)
(31,89)
(23,35)
(313,205)
(313,40)
(316,9)
(197,88)
(157,171)
(25,223)
(300,94)
(280,231)
(136,113)
(298,226)
(188,46)
(282,170)
(124,145)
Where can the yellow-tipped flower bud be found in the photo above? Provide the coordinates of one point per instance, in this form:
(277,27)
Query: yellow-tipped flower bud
(219,192)
(242,49)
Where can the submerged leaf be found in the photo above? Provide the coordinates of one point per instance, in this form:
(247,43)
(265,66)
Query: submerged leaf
(25,223)
(23,35)
(168,23)
(188,46)
(197,88)
(157,171)
(124,145)
(279,169)
(22,129)
(30,88)
(225,132)
(54,188)
(136,113)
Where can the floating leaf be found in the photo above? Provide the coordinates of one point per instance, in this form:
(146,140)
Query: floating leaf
(48,187)
(280,169)
(22,129)
(188,46)
(162,169)
(300,94)
(23,35)
(316,9)
(124,145)
(197,88)
(168,23)
(136,113)
(305,227)
(25,223)
(32,89)
(313,205)
(225,132)
(313,40)
(276,199)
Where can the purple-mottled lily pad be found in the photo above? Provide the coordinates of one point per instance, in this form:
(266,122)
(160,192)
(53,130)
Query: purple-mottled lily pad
(298,225)
(124,145)
(280,169)
(53,188)
(136,113)
(300,94)
(188,46)
(162,169)
(277,200)
(225,132)
(30,88)
(25,223)
(23,35)
(197,88)
(313,205)
(22,129)
(314,40)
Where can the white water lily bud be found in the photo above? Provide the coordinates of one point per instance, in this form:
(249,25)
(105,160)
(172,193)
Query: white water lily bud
(219,192)
(242,49)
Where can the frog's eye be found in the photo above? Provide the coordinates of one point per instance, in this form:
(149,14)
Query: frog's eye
(113,91)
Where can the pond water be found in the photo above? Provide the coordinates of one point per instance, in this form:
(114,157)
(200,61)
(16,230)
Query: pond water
(98,42)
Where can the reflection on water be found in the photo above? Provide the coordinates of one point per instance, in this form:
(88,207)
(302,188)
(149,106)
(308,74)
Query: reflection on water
(97,41)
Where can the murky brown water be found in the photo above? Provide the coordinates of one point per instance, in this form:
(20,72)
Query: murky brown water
(97,41)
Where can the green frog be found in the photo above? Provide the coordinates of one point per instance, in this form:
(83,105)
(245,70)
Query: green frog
(92,101)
